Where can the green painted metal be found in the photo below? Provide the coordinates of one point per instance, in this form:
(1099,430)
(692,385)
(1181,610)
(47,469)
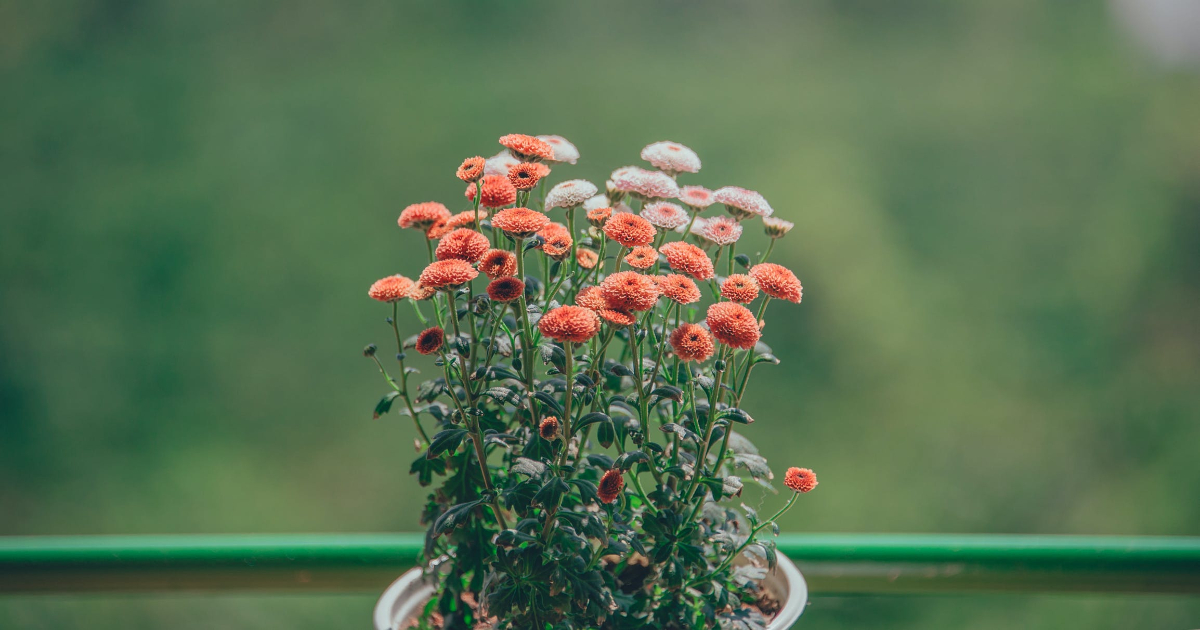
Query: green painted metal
(833,563)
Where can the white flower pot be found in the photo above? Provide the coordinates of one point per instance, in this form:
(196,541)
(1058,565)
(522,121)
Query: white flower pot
(405,598)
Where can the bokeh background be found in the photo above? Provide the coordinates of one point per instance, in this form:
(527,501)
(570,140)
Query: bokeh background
(998,230)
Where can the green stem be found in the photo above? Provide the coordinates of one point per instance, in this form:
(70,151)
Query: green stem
(770,246)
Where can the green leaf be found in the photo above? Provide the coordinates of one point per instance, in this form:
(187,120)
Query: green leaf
(628,459)
(550,403)
(425,468)
(445,441)
(551,492)
(671,427)
(503,395)
(742,260)
(385,404)
(667,391)
(592,418)
(606,435)
(526,466)
(736,415)
(600,460)
(454,516)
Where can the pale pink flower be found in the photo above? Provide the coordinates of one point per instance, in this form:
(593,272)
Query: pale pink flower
(645,184)
(564,151)
(665,214)
(570,193)
(722,230)
(743,203)
(696,197)
(671,157)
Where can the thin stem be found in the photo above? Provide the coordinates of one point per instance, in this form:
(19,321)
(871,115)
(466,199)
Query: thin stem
(770,246)
(749,539)
(566,419)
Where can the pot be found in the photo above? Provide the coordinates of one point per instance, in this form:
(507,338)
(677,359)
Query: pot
(405,598)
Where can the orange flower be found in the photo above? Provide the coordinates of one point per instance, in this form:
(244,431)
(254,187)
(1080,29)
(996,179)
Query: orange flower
(733,325)
(679,288)
(449,224)
(777,281)
(420,216)
(691,342)
(616,318)
(525,176)
(527,148)
(597,216)
(505,289)
(570,323)
(520,222)
(391,289)
(471,169)
(548,429)
(629,291)
(611,485)
(642,257)
(498,263)
(557,247)
(586,258)
(430,340)
(447,273)
(421,292)
(800,479)
(591,297)
(497,192)
(629,229)
(739,288)
(553,229)
(463,244)
(689,259)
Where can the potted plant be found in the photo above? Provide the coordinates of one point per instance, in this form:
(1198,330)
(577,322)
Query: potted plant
(582,428)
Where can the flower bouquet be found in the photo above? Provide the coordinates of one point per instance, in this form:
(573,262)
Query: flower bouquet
(582,434)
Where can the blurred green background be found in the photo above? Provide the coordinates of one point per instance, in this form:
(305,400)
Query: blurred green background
(998,230)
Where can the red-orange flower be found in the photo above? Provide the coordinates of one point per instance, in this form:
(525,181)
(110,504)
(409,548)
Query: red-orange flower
(591,297)
(629,229)
(679,288)
(570,323)
(689,259)
(391,289)
(498,263)
(520,222)
(739,288)
(586,258)
(497,192)
(557,246)
(525,176)
(616,318)
(642,257)
(597,216)
(527,148)
(422,292)
(449,224)
(463,244)
(471,169)
(553,229)
(430,340)
(548,428)
(733,325)
(800,479)
(505,289)
(691,342)
(421,216)
(629,291)
(777,281)
(447,273)
(611,485)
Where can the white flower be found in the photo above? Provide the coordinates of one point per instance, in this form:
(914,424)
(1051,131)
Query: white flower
(499,164)
(776,227)
(597,201)
(564,151)
(570,193)
(671,157)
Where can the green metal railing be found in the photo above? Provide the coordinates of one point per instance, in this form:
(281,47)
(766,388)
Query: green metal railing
(832,563)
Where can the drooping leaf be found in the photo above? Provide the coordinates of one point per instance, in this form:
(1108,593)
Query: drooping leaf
(590,419)
(385,404)
(445,441)
(454,516)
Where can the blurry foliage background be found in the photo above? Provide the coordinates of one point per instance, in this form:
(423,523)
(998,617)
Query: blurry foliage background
(998,231)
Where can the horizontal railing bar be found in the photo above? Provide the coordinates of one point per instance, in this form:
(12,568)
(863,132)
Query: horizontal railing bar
(832,563)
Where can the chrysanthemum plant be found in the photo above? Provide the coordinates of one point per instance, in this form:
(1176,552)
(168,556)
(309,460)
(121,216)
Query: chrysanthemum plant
(582,435)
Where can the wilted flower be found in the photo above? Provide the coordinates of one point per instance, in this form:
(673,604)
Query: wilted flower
(688,259)
(777,281)
(742,203)
(463,244)
(505,289)
(391,288)
(520,222)
(733,325)
(471,169)
(629,291)
(642,257)
(527,148)
(691,342)
(430,340)
(671,157)
(564,151)
(525,175)
(629,229)
(569,194)
(800,479)
(696,197)
(420,216)
(776,227)
(666,215)
(739,288)
(498,263)
(447,273)
(548,428)
(611,485)
(570,323)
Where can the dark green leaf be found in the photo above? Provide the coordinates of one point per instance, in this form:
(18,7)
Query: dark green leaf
(591,418)
(385,404)
(445,441)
